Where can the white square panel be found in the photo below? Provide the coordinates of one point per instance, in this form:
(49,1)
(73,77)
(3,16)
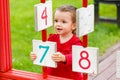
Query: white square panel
(44,51)
(85,59)
(43,15)
(85,20)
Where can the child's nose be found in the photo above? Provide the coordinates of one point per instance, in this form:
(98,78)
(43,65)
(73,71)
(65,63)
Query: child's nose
(59,23)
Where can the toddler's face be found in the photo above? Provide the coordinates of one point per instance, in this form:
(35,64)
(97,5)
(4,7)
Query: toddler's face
(63,23)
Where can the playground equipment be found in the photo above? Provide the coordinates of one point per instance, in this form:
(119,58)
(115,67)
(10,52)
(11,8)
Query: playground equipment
(6,71)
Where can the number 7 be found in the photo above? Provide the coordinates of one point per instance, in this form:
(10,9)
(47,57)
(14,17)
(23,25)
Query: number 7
(44,54)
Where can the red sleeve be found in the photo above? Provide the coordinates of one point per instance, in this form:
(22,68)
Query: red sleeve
(68,59)
(76,41)
(53,37)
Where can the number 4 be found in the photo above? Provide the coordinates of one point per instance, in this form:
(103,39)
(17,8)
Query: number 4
(44,15)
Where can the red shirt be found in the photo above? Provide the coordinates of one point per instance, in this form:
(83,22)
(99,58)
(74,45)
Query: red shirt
(65,69)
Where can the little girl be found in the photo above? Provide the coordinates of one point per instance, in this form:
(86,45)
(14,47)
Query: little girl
(65,26)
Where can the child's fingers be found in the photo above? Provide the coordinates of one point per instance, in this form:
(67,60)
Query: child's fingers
(32,53)
(33,56)
(58,54)
(58,57)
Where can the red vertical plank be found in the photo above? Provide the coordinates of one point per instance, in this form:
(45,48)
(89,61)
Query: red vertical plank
(44,69)
(42,1)
(9,41)
(0,34)
(85,39)
(85,3)
(44,35)
(4,37)
(5,34)
(9,57)
(44,38)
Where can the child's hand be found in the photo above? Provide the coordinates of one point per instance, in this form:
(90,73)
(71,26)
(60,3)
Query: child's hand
(33,56)
(58,57)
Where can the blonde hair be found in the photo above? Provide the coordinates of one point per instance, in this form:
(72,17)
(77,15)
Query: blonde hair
(72,10)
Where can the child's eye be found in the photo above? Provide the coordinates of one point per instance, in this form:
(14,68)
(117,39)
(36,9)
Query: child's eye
(64,22)
(55,20)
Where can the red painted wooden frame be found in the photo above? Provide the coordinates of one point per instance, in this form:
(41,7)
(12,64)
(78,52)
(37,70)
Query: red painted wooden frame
(5,48)
(44,38)
(85,39)
(6,72)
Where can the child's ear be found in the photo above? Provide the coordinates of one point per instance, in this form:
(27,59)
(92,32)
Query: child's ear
(74,26)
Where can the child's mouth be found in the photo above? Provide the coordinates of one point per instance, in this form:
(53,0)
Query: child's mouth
(59,29)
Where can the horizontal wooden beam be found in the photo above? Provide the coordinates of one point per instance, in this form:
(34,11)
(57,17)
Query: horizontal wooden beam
(110,20)
(108,1)
(24,75)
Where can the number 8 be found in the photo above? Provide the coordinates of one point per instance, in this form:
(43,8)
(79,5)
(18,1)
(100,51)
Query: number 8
(84,58)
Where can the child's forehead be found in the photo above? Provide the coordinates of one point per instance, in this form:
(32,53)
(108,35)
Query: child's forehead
(62,16)
(62,12)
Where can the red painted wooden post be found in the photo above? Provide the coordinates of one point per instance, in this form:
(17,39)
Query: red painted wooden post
(44,38)
(42,1)
(5,47)
(85,38)
(7,29)
(6,72)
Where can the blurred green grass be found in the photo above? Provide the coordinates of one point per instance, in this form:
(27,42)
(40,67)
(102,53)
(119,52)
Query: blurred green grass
(22,31)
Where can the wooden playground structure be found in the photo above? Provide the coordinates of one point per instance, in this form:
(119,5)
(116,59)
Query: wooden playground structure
(6,70)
